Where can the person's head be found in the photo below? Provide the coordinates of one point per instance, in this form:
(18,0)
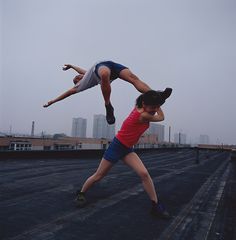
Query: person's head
(77,78)
(150,101)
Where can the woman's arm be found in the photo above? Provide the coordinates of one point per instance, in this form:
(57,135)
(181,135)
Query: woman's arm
(76,68)
(147,117)
(61,97)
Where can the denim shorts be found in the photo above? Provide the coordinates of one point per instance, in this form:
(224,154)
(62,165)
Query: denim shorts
(115,68)
(116,151)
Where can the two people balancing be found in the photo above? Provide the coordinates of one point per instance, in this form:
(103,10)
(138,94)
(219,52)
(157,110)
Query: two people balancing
(147,109)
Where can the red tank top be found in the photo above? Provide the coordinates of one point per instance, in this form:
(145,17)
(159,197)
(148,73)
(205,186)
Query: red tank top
(131,129)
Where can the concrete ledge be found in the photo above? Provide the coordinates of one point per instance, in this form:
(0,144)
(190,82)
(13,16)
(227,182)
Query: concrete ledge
(87,153)
(51,154)
(82,153)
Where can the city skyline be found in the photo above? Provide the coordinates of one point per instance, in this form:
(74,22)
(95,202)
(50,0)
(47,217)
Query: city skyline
(199,139)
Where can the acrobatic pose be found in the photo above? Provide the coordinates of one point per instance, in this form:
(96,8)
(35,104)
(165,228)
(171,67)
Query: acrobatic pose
(102,73)
(147,110)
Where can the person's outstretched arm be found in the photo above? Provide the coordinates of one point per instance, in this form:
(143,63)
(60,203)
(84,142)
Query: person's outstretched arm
(76,68)
(61,97)
(147,117)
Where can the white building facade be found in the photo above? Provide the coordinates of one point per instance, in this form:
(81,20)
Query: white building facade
(79,126)
(101,129)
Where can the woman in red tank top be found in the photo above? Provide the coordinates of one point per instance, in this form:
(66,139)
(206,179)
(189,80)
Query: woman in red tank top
(147,110)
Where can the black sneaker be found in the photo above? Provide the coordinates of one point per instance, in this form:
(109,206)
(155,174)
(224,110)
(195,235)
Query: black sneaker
(159,210)
(80,200)
(110,114)
(166,93)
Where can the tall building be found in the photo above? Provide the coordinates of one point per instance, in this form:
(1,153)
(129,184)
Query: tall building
(158,130)
(204,139)
(101,129)
(110,131)
(180,138)
(79,126)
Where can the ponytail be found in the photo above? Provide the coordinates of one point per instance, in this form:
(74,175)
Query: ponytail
(139,101)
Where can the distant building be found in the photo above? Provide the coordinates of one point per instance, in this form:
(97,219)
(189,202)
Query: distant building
(110,131)
(79,126)
(204,139)
(156,130)
(20,145)
(44,143)
(101,129)
(180,138)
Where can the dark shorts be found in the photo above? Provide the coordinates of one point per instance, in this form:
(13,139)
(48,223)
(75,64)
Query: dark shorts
(116,151)
(115,68)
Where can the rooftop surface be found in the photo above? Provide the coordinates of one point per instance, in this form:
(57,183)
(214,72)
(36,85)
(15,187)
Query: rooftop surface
(36,198)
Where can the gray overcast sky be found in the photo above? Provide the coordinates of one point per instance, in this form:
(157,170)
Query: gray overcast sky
(187,45)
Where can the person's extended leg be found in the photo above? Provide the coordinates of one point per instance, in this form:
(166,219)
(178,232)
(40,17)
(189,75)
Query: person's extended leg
(157,208)
(142,87)
(104,74)
(128,76)
(102,170)
(136,164)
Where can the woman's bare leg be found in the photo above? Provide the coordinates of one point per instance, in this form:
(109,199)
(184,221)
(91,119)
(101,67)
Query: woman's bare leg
(137,165)
(128,76)
(102,170)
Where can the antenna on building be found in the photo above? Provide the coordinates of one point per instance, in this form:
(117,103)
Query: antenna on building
(169,133)
(32,129)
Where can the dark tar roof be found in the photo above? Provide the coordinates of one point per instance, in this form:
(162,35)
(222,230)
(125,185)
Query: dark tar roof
(36,198)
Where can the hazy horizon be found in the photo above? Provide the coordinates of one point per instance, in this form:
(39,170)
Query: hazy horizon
(89,134)
(186,45)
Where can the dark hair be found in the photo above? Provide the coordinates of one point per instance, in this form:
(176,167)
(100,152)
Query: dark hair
(151,98)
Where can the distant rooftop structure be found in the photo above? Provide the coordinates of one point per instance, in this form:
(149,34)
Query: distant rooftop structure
(204,139)
(32,129)
(180,138)
(156,130)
